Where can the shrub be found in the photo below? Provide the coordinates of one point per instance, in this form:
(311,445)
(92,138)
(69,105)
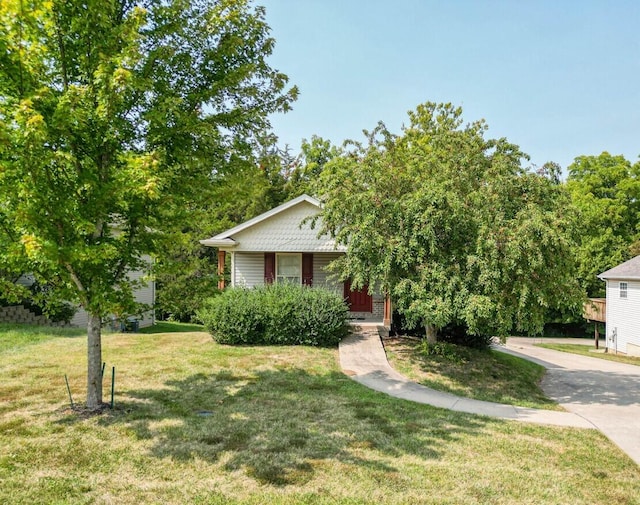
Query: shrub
(452,333)
(450,352)
(458,334)
(280,314)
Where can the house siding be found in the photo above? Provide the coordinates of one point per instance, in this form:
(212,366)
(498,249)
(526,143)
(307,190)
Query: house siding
(248,269)
(321,276)
(142,294)
(284,233)
(623,330)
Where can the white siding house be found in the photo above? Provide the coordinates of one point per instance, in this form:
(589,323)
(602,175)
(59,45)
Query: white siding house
(280,245)
(623,307)
(144,294)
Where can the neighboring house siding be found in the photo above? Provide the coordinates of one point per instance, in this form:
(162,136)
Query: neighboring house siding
(623,330)
(142,294)
(284,233)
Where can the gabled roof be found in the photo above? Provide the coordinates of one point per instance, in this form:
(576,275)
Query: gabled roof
(224,239)
(627,270)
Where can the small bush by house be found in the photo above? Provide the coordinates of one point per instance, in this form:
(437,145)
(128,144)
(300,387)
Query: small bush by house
(281,314)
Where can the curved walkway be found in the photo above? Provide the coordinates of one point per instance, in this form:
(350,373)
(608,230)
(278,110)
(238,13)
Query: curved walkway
(579,385)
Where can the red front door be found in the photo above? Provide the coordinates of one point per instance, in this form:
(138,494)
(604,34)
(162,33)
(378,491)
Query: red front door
(358,300)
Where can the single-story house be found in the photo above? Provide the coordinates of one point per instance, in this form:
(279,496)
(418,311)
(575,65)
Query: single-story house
(280,246)
(623,307)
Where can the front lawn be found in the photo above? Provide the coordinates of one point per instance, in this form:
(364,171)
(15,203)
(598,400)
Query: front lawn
(480,374)
(171,327)
(197,422)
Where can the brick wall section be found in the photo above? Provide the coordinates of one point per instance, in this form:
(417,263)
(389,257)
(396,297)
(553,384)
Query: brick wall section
(21,315)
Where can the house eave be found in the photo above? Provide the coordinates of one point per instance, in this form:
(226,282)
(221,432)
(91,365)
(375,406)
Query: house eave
(619,277)
(224,243)
(266,215)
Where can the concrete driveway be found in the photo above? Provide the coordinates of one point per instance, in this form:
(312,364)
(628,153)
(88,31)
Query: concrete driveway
(605,393)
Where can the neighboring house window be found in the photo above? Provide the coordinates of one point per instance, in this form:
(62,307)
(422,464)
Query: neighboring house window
(289,268)
(623,290)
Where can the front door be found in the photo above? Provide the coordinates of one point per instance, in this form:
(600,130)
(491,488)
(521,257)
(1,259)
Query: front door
(358,300)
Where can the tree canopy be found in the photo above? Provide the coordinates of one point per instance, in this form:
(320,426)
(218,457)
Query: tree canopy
(451,225)
(114,115)
(606,191)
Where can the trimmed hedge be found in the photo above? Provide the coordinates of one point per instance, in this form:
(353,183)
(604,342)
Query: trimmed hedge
(278,314)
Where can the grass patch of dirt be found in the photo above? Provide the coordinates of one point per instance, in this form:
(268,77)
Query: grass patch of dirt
(590,350)
(479,374)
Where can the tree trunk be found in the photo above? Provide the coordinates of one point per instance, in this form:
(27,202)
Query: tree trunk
(94,363)
(432,334)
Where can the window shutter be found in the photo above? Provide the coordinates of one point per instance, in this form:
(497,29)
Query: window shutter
(307,269)
(269,267)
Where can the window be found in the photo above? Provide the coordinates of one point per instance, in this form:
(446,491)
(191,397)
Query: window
(623,290)
(289,268)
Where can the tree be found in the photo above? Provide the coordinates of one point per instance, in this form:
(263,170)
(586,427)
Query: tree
(251,182)
(113,115)
(307,168)
(606,191)
(451,225)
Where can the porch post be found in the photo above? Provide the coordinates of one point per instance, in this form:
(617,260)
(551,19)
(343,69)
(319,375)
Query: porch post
(386,321)
(221,259)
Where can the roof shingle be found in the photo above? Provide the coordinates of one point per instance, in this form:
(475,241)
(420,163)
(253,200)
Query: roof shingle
(627,270)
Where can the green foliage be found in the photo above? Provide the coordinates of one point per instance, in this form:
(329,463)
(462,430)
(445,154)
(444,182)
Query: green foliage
(606,191)
(114,116)
(452,333)
(314,155)
(250,183)
(459,334)
(452,226)
(281,314)
(55,309)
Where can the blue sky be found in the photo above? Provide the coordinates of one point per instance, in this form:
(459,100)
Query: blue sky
(558,78)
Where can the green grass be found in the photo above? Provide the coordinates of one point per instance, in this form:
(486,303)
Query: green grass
(14,337)
(197,422)
(589,350)
(171,327)
(480,374)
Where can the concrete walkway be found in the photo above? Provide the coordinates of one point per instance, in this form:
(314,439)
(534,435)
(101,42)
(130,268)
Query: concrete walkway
(363,358)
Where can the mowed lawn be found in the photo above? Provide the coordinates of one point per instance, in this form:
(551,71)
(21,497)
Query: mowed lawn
(196,422)
(485,375)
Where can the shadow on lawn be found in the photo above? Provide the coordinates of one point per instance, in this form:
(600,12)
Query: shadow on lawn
(282,426)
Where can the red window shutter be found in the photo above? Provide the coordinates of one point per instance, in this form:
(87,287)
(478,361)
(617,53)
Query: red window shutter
(307,269)
(269,267)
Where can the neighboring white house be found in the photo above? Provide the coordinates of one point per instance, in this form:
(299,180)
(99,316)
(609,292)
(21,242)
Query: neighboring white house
(145,294)
(279,246)
(623,307)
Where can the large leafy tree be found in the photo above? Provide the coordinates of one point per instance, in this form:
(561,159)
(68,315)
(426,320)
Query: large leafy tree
(606,191)
(251,182)
(113,114)
(305,170)
(451,225)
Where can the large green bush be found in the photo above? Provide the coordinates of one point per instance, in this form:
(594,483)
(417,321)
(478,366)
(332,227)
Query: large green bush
(282,314)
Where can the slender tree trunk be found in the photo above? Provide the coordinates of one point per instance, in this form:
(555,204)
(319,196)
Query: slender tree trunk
(94,363)
(432,334)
